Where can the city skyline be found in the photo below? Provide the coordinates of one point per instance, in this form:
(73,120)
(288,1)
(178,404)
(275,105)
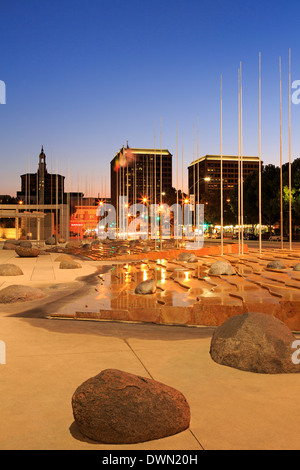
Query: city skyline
(83,81)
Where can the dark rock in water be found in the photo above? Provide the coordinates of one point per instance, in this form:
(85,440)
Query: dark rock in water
(16,293)
(96,242)
(106,241)
(254,342)
(220,268)
(120,408)
(276,264)
(146,287)
(10,270)
(86,246)
(123,250)
(146,249)
(69,264)
(187,257)
(297,267)
(27,252)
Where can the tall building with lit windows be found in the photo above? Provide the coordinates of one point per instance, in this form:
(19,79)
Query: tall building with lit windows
(140,174)
(42,187)
(204,174)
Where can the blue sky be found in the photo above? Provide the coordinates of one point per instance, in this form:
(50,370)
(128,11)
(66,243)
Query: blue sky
(83,77)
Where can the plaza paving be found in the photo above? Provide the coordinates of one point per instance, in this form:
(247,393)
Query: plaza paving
(48,358)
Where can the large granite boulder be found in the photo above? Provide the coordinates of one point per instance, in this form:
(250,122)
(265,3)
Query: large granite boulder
(220,268)
(254,342)
(69,264)
(116,407)
(276,264)
(146,287)
(10,270)
(187,257)
(24,252)
(16,293)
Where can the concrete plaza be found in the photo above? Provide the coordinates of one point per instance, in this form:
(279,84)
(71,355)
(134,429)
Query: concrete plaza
(47,359)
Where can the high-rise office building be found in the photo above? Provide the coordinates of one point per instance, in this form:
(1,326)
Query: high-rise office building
(204,174)
(141,175)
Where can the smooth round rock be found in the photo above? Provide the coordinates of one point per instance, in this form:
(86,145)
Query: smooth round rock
(10,270)
(63,258)
(220,268)
(69,264)
(16,293)
(50,241)
(276,264)
(74,244)
(297,267)
(146,287)
(123,250)
(26,244)
(187,257)
(11,241)
(116,407)
(24,252)
(10,246)
(254,342)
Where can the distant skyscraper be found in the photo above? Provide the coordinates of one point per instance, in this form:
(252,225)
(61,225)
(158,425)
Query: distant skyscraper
(140,174)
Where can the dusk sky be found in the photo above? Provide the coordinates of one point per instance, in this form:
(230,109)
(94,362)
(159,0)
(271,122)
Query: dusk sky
(83,77)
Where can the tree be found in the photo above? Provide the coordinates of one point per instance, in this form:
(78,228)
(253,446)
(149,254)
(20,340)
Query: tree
(270,197)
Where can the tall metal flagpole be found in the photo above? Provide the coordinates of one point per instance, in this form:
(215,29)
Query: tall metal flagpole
(290,155)
(161,181)
(221,174)
(239,163)
(281,185)
(155,190)
(198,167)
(194,195)
(127,191)
(260,166)
(29,194)
(242,169)
(177,184)
(116,170)
(183,199)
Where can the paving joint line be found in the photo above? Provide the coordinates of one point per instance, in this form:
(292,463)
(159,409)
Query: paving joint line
(141,362)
